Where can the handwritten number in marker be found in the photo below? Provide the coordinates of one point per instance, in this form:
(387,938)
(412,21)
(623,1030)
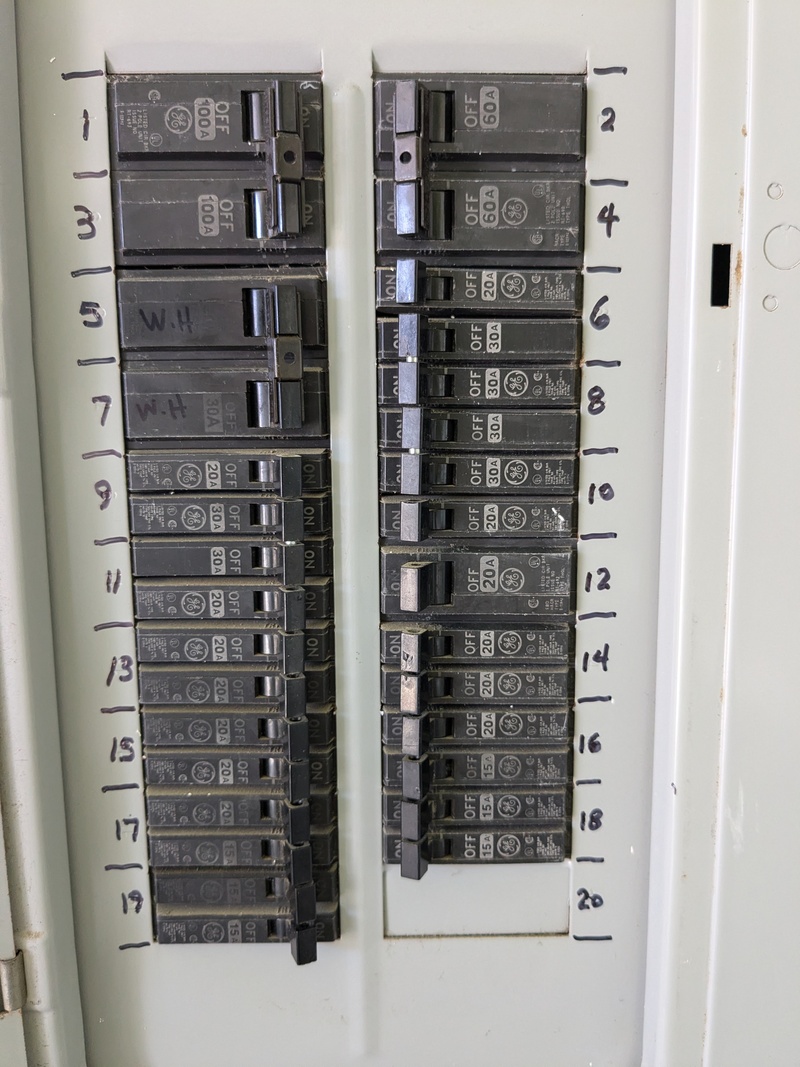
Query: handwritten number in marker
(133,900)
(603,580)
(604,491)
(105,492)
(85,221)
(587,900)
(589,744)
(607,218)
(596,398)
(123,750)
(600,656)
(91,313)
(123,665)
(106,402)
(609,118)
(133,823)
(598,319)
(592,820)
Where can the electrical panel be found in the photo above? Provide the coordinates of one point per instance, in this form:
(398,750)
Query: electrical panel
(378,525)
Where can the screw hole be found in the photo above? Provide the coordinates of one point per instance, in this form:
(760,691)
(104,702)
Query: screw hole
(405,157)
(289,156)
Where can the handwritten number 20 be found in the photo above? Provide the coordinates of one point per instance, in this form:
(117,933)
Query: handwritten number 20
(587,900)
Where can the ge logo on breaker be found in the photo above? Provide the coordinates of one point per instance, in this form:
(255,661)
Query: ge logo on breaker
(508,845)
(213,933)
(515,383)
(512,580)
(198,691)
(203,772)
(178,119)
(509,642)
(193,517)
(516,472)
(211,892)
(199,732)
(514,211)
(509,767)
(193,604)
(203,814)
(207,852)
(513,286)
(514,518)
(509,684)
(189,475)
(509,806)
(510,725)
(196,649)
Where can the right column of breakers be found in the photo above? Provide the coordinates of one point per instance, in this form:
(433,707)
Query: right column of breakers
(479,209)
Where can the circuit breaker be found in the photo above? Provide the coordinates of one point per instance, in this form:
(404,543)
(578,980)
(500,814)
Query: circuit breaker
(369,460)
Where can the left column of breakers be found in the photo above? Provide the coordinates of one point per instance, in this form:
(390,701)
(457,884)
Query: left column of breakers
(220,255)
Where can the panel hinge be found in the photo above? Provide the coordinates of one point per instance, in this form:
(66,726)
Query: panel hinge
(13,988)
